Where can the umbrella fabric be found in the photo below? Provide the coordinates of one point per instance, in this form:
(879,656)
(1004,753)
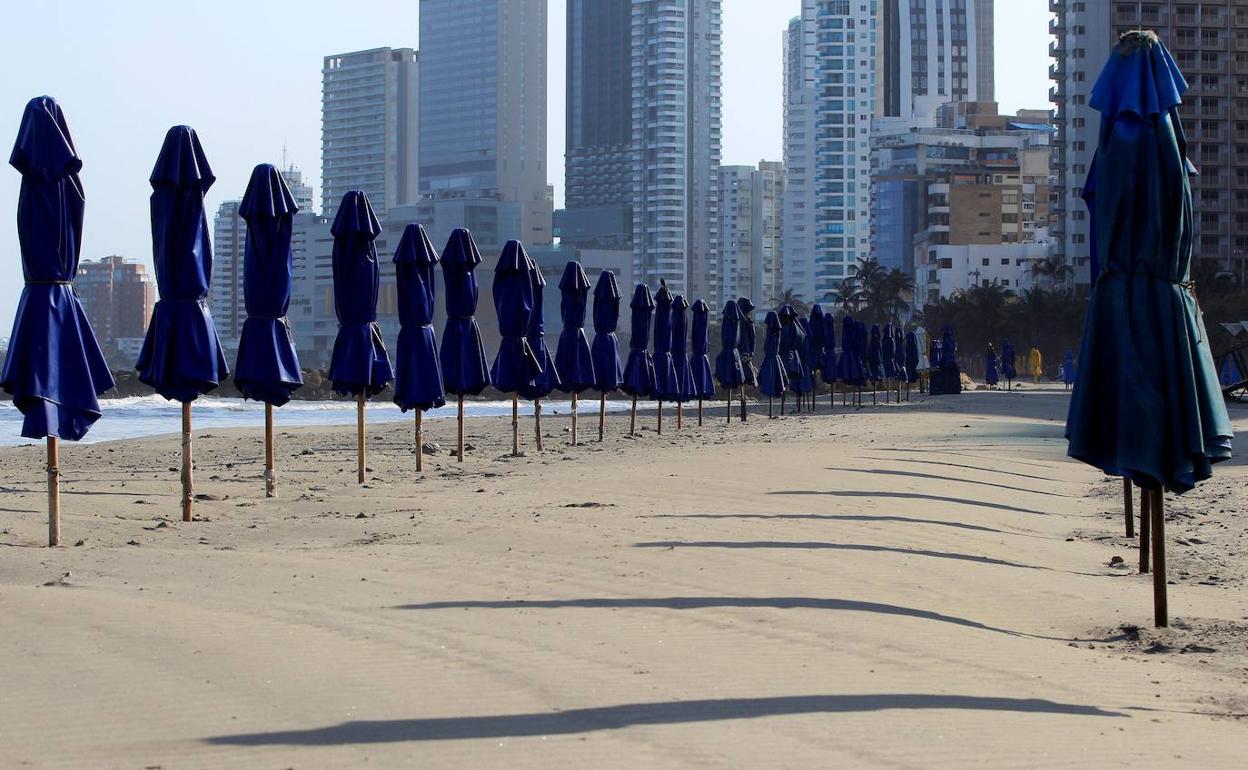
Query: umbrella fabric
(639,369)
(728,362)
(773,381)
(814,335)
(849,365)
(806,353)
(791,339)
(700,364)
(1008,358)
(1068,368)
(515,364)
(900,370)
(181,356)
(418,373)
(666,386)
(573,358)
(464,368)
(608,374)
(547,377)
(888,352)
(267,367)
(360,364)
(745,341)
(912,357)
(829,349)
(990,367)
(54,368)
(875,356)
(680,350)
(946,375)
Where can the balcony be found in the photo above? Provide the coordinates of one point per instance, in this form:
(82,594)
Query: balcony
(1057,26)
(1057,6)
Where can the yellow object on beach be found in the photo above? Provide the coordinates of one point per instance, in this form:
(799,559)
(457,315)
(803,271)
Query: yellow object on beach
(1037,364)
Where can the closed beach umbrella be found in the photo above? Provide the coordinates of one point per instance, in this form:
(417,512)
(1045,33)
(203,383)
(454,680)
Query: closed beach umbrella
(829,357)
(806,352)
(515,365)
(418,372)
(666,388)
(899,361)
(608,373)
(746,343)
(991,377)
(680,356)
(573,358)
(912,357)
(1009,368)
(946,374)
(639,369)
(875,360)
(888,355)
(54,368)
(547,377)
(464,368)
(815,333)
(359,365)
(728,368)
(181,356)
(1146,403)
(848,365)
(700,360)
(791,340)
(267,367)
(1068,368)
(773,381)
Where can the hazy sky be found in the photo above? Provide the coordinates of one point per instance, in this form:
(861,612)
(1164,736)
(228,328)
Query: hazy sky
(247,75)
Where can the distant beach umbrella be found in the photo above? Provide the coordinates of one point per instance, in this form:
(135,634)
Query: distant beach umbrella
(1009,369)
(901,371)
(1068,368)
(515,365)
(666,388)
(680,357)
(267,367)
(608,373)
(815,334)
(912,357)
(464,368)
(849,370)
(728,368)
(946,373)
(746,344)
(700,361)
(829,357)
(1146,403)
(875,360)
(806,353)
(573,358)
(791,340)
(418,372)
(639,369)
(181,356)
(54,368)
(991,376)
(547,377)
(888,356)
(773,380)
(359,365)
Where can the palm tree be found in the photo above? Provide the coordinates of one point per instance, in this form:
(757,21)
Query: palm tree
(848,295)
(1053,269)
(899,292)
(789,297)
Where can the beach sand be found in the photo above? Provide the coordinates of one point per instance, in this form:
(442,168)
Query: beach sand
(915,585)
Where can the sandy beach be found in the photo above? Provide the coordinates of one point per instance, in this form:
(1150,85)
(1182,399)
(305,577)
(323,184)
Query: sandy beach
(917,585)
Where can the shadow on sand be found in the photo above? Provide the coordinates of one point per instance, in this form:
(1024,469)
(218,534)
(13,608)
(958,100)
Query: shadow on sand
(588,720)
(954,479)
(815,545)
(843,517)
(908,496)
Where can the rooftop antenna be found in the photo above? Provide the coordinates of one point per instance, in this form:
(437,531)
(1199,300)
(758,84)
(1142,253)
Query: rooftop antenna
(284,165)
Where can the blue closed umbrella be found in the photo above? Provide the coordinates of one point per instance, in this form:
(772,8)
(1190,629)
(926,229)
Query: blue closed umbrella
(806,353)
(547,377)
(666,388)
(267,367)
(639,369)
(746,341)
(912,357)
(700,361)
(608,373)
(849,365)
(1009,368)
(680,356)
(946,374)
(791,339)
(464,368)
(728,367)
(515,364)
(829,352)
(875,356)
(991,376)
(181,356)
(54,367)
(573,358)
(901,371)
(1068,368)
(773,380)
(888,352)
(418,372)
(815,333)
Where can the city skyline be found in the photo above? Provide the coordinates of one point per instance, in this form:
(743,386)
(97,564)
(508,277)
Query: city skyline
(120,97)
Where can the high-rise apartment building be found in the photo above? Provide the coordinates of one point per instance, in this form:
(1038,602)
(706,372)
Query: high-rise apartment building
(1204,38)
(225,293)
(751,217)
(369,126)
(799,203)
(117,294)
(483,108)
(643,136)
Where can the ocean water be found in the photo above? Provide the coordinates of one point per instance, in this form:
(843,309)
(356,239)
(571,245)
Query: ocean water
(138,416)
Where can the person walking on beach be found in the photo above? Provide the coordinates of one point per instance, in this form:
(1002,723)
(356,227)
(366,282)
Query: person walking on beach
(1036,362)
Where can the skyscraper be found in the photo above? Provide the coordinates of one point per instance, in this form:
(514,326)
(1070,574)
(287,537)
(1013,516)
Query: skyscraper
(750,232)
(643,136)
(483,107)
(799,203)
(117,296)
(369,121)
(225,294)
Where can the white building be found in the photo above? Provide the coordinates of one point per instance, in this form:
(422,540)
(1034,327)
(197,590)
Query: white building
(751,231)
(799,203)
(946,269)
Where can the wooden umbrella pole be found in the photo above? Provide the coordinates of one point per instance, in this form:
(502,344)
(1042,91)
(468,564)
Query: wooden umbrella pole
(188,483)
(632,419)
(699,413)
(420,440)
(1161,610)
(54,493)
(728,407)
(783,397)
(1146,507)
(602,416)
(359,438)
(1128,514)
(515,426)
(744,411)
(537,422)
(460,428)
(574,418)
(680,415)
(771,405)
(270,481)
(660,418)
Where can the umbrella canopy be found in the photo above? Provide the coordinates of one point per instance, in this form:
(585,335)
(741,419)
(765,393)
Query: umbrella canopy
(360,364)
(814,336)
(849,366)
(1146,404)
(948,349)
(547,377)
(773,380)
(1008,360)
(888,352)
(792,337)
(912,356)
(573,358)
(608,374)
(515,364)
(829,349)
(267,367)
(418,373)
(728,369)
(745,341)
(805,353)
(680,350)
(181,356)
(1068,368)
(700,362)
(464,368)
(54,368)
(666,386)
(900,370)
(639,369)
(991,375)
(875,356)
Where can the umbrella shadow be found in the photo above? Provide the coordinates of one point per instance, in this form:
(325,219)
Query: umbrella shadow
(625,715)
(955,479)
(813,545)
(950,452)
(877,493)
(842,517)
